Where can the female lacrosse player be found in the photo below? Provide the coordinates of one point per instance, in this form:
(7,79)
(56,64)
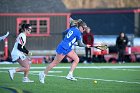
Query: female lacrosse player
(73,34)
(18,53)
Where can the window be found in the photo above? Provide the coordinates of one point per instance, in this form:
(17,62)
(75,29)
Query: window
(40,26)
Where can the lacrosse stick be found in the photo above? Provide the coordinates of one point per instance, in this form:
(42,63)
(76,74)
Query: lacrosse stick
(101,47)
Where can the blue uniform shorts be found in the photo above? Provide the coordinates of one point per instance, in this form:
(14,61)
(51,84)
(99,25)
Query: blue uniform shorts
(61,50)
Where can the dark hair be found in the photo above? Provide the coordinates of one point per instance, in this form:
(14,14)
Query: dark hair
(23,27)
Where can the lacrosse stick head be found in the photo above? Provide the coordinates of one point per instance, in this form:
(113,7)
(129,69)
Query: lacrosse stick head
(102,47)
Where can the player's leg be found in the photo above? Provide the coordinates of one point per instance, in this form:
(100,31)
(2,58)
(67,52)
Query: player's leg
(58,58)
(25,67)
(75,57)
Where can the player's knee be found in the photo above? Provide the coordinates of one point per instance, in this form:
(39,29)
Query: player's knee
(77,60)
(27,68)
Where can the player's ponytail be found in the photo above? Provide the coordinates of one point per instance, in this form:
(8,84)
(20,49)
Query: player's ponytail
(73,23)
(81,23)
(77,23)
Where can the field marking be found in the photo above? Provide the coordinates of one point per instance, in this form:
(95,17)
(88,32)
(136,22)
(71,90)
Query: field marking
(67,67)
(118,81)
(49,71)
(125,69)
(37,71)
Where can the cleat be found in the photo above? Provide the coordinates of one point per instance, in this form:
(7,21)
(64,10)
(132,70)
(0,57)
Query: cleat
(11,74)
(42,77)
(27,80)
(70,77)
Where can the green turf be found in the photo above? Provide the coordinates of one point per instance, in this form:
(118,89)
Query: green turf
(109,80)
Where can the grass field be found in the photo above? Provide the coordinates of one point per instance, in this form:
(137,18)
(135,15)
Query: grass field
(111,78)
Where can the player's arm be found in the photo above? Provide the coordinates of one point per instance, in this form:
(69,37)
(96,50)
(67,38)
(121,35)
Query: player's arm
(81,44)
(22,49)
(79,40)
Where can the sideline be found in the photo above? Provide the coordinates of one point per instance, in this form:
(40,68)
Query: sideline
(67,67)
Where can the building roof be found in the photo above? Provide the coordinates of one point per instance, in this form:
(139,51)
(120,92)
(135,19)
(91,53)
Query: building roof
(32,6)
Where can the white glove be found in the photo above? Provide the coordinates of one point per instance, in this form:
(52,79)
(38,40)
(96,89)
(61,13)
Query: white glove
(30,54)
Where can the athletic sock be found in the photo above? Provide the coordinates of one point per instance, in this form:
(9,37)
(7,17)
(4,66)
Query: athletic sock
(14,70)
(25,77)
(70,73)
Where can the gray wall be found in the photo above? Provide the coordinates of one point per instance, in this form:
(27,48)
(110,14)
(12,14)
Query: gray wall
(57,26)
(32,6)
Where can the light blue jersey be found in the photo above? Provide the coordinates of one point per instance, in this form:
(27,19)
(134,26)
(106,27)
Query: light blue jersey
(73,34)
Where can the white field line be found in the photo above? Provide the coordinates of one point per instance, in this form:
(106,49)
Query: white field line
(125,69)
(118,81)
(67,67)
(37,72)
(49,71)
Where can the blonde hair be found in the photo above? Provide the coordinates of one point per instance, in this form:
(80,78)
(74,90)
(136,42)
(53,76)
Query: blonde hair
(78,23)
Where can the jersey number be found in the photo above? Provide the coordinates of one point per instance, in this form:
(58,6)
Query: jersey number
(69,34)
